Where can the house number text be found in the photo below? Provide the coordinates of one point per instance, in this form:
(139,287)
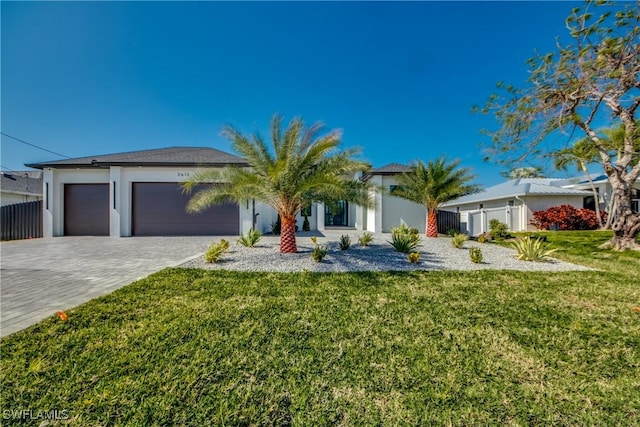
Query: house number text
(183,174)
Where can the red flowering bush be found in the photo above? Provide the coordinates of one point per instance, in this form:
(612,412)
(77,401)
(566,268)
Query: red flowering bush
(566,217)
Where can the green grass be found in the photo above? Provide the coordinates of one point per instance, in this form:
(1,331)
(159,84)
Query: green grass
(190,347)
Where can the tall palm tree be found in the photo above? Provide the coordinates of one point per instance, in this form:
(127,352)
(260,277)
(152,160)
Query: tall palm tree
(302,166)
(433,184)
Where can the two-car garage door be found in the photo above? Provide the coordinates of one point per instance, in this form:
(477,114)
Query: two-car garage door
(157,209)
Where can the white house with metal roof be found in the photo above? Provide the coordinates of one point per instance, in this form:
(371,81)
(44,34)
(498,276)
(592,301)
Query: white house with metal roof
(513,203)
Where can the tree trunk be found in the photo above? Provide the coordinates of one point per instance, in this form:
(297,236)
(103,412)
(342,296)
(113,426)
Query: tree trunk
(626,224)
(610,210)
(432,223)
(288,236)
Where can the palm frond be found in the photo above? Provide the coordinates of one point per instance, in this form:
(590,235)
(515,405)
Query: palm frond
(302,165)
(435,183)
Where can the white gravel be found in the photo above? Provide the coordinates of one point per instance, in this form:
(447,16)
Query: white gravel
(436,254)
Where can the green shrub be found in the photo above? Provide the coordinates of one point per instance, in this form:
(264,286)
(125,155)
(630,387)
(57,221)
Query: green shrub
(458,240)
(365,239)
(251,239)
(413,257)
(529,249)
(215,251)
(484,237)
(305,224)
(476,255)
(319,253)
(404,239)
(498,230)
(345,242)
(314,240)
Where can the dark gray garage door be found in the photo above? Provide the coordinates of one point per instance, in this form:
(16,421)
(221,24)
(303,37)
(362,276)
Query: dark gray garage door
(159,209)
(86,209)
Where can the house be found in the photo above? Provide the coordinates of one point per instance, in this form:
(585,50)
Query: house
(139,194)
(513,202)
(20,187)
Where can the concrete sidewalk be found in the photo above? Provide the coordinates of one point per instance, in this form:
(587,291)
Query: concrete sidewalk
(40,276)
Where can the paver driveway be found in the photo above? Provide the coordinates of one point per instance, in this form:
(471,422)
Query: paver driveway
(40,276)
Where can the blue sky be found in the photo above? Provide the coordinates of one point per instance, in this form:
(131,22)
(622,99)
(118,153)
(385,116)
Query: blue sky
(85,78)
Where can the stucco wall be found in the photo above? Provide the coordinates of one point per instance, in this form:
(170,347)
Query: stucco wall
(122,178)
(396,211)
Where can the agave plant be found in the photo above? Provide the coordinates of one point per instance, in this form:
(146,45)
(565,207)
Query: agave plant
(345,242)
(404,239)
(365,239)
(215,251)
(458,240)
(529,249)
(250,239)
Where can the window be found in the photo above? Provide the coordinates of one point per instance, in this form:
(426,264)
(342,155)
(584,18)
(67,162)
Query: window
(306,211)
(481,206)
(510,203)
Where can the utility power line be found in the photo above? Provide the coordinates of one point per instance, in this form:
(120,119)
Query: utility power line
(33,145)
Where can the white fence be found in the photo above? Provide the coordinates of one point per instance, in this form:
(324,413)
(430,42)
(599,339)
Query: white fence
(475,223)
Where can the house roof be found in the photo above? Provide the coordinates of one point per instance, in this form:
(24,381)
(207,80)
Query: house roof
(388,169)
(22,182)
(519,187)
(172,156)
(391,168)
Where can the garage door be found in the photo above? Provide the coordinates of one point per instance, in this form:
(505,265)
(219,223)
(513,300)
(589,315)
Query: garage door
(159,209)
(86,209)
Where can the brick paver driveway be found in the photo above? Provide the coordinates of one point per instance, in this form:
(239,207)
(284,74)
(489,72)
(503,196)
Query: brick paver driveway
(38,277)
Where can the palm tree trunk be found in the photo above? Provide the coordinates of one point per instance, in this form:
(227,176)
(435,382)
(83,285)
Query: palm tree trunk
(432,223)
(288,235)
(596,197)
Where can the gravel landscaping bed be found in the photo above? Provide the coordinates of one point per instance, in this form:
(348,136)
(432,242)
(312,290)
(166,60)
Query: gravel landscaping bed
(436,254)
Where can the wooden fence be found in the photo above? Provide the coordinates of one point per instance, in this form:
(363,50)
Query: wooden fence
(21,221)
(448,221)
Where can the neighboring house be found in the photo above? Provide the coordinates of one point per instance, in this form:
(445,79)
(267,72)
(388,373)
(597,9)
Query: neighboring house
(20,187)
(513,202)
(603,188)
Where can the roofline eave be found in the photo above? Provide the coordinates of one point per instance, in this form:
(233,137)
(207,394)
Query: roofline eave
(107,165)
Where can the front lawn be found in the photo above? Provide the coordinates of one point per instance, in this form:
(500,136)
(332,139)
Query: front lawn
(192,347)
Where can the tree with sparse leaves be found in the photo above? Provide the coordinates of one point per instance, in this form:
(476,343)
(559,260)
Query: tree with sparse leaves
(592,79)
(303,165)
(524,172)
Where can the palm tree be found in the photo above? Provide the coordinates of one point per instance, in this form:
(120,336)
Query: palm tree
(432,185)
(303,167)
(581,154)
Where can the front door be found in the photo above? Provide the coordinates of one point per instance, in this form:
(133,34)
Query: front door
(337,215)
